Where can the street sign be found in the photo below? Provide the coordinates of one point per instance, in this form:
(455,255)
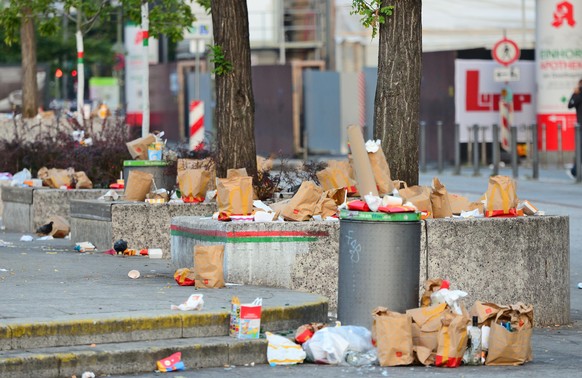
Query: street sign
(505,74)
(505,52)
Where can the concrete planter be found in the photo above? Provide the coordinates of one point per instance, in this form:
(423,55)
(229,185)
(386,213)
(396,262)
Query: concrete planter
(141,224)
(501,260)
(25,209)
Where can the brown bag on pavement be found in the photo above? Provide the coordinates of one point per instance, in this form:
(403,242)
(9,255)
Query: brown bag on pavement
(426,324)
(392,333)
(302,205)
(193,184)
(439,200)
(430,286)
(452,340)
(381,172)
(208,266)
(138,185)
(234,196)
(511,348)
(61,227)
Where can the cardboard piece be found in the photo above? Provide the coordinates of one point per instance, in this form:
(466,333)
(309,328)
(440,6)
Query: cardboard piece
(138,185)
(439,200)
(138,148)
(302,205)
(381,171)
(234,196)
(392,334)
(365,181)
(208,266)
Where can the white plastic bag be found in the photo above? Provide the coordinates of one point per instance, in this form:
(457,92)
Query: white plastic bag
(282,351)
(194,302)
(326,347)
(19,178)
(374,202)
(358,338)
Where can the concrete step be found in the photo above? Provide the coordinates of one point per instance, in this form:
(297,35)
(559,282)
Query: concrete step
(145,326)
(130,357)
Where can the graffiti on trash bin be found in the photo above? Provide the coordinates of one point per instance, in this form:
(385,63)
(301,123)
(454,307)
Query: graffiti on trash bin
(354,247)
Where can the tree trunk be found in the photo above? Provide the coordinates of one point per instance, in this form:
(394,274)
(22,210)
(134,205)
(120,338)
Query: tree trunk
(397,103)
(235,104)
(28,50)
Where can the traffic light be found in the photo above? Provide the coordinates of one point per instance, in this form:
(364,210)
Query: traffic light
(58,73)
(74,73)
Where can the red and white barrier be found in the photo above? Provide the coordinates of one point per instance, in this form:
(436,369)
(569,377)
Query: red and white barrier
(506,113)
(196,121)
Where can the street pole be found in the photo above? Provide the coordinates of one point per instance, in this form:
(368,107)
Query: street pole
(145,24)
(440,146)
(476,150)
(457,150)
(514,168)
(535,152)
(422,146)
(495,149)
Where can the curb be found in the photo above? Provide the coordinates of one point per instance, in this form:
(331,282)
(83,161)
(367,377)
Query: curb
(144,328)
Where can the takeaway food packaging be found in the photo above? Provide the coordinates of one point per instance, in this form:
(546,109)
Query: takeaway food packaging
(245,319)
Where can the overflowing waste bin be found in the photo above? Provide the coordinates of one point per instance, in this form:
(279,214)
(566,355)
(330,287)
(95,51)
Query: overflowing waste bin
(163,176)
(379,265)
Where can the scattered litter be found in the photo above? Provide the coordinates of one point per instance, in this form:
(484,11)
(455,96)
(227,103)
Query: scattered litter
(171,363)
(282,351)
(362,359)
(110,252)
(133,274)
(84,247)
(26,238)
(88,374)
(52,253)
(3,270)
(245,319)
(4,244)
(579,285)
(111,195)
(194,302)
(48,237)
(155,253)
(120,246)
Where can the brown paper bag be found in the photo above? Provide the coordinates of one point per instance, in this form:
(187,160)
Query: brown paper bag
(334,177)
(205,164)
(42,173)
(459,203)
(427,322)
(138,185)
(57,178)
(235,196)
(511,348)
(392,333)
(419,196)
(138,148)
(82,181)
(452,340)
(339,196)
(486,311)
(193,184)
(302,205)
(238,172)
(208,266)
(381,172)
(501,194)
(439,200)
(399,184)
(326,207)
(61,227)
(423,355)
(430,286)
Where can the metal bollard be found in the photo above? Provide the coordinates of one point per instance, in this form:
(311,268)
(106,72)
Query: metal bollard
(495,149)
(560,150)
(514,156)
(476,150)
(422,146)
(440,145)
(535,152)
(470,144)
(457,150)
(483,146)
(545,144)
(578,150)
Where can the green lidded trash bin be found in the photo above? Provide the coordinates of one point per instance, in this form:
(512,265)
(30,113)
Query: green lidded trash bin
(379,264)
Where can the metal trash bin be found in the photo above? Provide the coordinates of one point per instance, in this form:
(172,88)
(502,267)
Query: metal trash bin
(163,176)
(379,265)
